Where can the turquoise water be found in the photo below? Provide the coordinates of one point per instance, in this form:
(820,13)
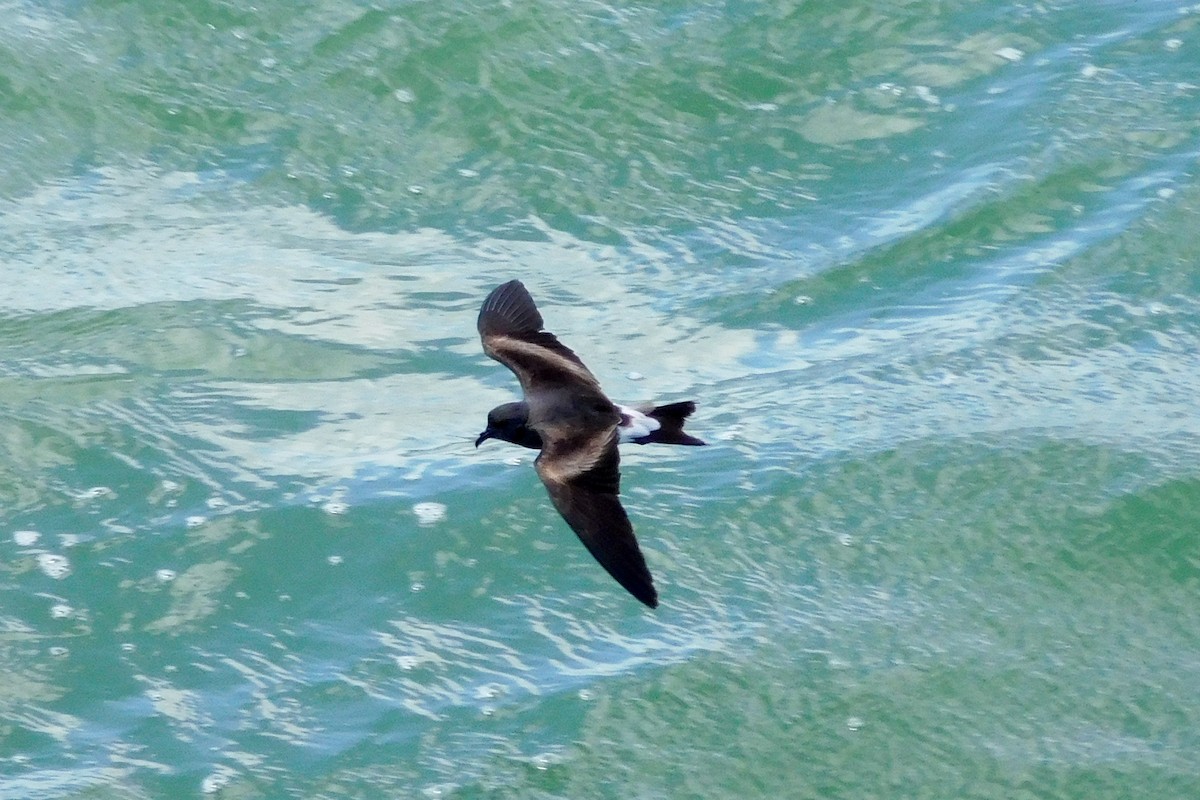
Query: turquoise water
(930,271)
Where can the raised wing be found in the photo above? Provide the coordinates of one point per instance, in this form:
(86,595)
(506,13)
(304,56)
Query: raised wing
(510,328)
(583,479)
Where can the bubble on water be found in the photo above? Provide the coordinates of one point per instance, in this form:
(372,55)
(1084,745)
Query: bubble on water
(335,507)
(854,723)
(128,647)
(165,575)
(635,376)
(429,513)
(59,652)
(334,560)
(96,491)
(54,565)
(1010,53)
(404,95)
(61,611)
(513,461)
(195,521)
(26,538)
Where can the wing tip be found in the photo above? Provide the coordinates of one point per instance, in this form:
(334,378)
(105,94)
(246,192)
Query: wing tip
(638,581)
(508,309)
(650,597)
(641,586)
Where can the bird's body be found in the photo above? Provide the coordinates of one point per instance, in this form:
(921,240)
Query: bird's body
(638,425)
(567,417)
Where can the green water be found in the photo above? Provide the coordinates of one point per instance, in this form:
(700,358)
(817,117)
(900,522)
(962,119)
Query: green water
(928,269)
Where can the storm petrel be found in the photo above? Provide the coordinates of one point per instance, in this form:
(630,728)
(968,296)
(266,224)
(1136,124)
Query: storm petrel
(576,427)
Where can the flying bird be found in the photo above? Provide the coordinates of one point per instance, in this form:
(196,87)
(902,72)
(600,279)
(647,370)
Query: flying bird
(567,417)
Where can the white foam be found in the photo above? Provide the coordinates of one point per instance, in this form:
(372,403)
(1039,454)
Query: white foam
(429,513)
(54,565)
(26,538)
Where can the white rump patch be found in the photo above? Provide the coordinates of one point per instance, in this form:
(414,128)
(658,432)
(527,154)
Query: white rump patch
(635,424)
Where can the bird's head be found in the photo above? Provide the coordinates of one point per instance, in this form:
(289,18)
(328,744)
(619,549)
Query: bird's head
(509,422)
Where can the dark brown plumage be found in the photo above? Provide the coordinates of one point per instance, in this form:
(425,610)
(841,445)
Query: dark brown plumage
(566,414)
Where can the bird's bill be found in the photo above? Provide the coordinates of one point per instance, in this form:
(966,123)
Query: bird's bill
(488,434)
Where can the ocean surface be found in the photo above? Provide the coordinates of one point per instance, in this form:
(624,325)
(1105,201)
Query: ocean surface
(931,271)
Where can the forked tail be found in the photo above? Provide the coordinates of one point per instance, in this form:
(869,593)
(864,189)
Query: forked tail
(671,417)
